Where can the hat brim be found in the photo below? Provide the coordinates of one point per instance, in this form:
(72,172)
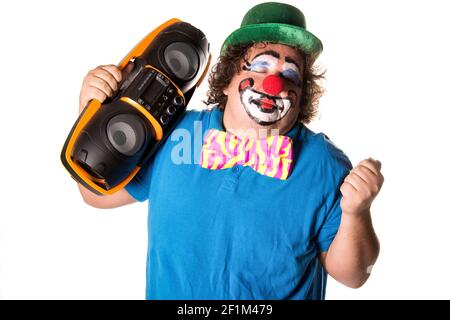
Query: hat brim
(276,33)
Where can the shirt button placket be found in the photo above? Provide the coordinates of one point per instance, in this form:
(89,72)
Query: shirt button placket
(232,179)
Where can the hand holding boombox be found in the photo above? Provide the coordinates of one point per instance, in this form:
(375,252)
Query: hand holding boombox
(111,140)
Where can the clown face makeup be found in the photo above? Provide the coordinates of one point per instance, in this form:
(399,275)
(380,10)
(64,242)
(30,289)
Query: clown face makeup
(268,61)
(263,108)
(265,95)
(272,103)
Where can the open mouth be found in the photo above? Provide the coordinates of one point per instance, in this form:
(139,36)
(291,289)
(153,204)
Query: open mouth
(266,105)
(263,108)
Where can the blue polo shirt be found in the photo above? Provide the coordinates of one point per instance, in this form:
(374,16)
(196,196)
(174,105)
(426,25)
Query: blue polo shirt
(234,233)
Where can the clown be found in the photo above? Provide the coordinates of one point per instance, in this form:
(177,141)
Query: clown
(273,207)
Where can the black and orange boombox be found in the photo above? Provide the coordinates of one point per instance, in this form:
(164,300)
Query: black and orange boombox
(110,141)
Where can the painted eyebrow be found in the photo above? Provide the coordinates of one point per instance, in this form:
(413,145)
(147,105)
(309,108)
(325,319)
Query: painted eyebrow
(290,60)
(268,52)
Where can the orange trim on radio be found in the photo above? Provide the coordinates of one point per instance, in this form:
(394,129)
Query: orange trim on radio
(141,46)
(153,121)
(199,82)
(91,109)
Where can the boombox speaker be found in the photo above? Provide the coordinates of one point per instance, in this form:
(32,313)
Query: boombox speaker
(110,141)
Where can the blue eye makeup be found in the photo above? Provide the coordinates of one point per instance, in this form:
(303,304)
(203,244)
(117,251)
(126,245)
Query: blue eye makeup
(259,66)
(269,62)
(262,63)
(291,75)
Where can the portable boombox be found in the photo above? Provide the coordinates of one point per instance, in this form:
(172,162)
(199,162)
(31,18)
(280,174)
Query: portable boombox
(110,142)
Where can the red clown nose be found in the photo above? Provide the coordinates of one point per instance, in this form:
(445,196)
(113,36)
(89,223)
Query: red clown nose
(273,85)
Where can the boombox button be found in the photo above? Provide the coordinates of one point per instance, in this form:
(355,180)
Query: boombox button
(177,101)
(164,119)
(171,110)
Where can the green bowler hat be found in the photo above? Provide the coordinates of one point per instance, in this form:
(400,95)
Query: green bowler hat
(278,23)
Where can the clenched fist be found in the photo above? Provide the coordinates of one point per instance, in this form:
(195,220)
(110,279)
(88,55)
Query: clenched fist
(361,186)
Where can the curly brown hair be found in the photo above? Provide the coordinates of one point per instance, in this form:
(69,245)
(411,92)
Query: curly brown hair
(229,64)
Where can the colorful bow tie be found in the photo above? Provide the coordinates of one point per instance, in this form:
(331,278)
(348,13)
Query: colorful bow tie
(271,156)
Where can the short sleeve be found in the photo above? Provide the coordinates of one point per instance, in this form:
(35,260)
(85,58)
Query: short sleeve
(338,167)
(139,186)
(331,223)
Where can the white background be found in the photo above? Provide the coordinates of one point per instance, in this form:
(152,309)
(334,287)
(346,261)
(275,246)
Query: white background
(387,97)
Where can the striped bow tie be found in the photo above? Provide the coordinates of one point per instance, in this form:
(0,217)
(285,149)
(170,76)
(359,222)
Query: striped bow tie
(271,156)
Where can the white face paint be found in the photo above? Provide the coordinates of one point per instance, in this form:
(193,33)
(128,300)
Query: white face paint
(263,63)
(265,94)
(266,63)
(263,108)
(291,73)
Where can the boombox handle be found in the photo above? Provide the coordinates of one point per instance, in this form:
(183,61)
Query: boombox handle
(144,43)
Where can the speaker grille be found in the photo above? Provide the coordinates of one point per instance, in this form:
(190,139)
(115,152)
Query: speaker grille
(126,133)
(182,60)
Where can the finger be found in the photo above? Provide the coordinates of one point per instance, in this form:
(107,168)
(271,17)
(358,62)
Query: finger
(347,189)
(377,162)
(96,93)
(101,84)
(355,181)
(127,70)
(371,165)
(83,104)
(114,71)
(106,76)
(381,180)
(366,174)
